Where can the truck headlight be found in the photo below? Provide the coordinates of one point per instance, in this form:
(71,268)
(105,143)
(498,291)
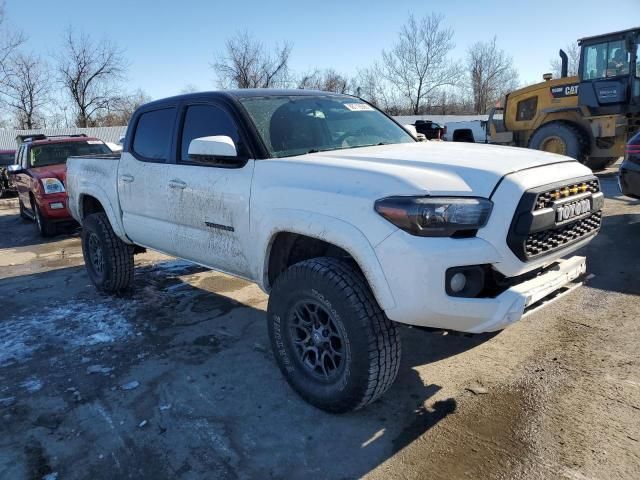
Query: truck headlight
(52,185)
(436,216)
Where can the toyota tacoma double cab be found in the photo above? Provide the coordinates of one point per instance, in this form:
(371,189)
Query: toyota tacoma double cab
(39,176)
(346,221)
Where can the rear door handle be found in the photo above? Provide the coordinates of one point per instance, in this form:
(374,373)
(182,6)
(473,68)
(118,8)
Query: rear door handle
(177,184)
(126,178)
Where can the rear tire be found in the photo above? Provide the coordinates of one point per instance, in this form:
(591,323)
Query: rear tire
(561,138)
(108,259)
(332,341)
(46,228)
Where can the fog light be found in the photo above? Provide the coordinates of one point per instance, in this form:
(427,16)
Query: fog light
(465,281)
(457,282)
(56,205)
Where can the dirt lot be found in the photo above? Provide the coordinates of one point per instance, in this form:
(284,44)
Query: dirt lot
(176,379)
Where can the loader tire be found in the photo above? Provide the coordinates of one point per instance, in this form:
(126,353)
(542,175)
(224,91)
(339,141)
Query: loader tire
(561,138)
(601,163)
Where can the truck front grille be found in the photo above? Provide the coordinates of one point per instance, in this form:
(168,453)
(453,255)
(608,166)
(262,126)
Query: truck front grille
(546,198)
(535,229)
(548,240)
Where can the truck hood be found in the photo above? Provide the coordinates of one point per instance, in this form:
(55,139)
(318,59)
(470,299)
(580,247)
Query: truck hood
(58,171)
(437,168)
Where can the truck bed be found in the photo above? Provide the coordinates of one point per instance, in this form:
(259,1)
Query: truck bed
(100,172)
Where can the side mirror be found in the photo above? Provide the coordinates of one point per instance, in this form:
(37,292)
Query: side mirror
(15,169)
(121,140)
(206,149)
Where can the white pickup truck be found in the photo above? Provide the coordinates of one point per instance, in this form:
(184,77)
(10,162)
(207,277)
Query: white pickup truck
(348,222)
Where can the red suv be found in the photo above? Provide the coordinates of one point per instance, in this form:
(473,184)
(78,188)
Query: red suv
(39,175)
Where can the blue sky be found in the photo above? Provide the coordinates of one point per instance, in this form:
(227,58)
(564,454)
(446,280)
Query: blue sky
(171,44)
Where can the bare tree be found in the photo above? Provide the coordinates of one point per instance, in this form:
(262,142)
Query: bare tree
(190,88)
(10,40)
(248,64)
(371,85)
(418,64)
(121,108)
(327,80)
(26,88)
(491,74)
(90,72)
(573,55)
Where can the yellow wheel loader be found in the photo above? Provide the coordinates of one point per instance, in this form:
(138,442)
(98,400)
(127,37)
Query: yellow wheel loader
(589,117)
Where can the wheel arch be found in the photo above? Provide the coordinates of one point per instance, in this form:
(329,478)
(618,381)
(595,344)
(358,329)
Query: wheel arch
(326,234)
(95,200)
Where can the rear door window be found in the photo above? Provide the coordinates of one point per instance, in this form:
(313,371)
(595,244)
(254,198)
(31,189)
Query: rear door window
(154,131)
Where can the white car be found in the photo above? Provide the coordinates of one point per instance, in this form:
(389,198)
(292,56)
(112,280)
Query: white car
(348,222)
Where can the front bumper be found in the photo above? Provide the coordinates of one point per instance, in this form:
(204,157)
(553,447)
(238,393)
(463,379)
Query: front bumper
(532,295)
(629,179)
(415,271)
(54,207)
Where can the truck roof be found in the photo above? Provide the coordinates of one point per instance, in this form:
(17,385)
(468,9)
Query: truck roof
(62,139)
(619,32)
(245,93)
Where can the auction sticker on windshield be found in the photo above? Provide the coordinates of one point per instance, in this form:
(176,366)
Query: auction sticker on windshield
(359,107)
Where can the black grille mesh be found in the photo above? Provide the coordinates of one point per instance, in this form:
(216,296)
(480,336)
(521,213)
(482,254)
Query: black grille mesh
(542,242)
(546,199)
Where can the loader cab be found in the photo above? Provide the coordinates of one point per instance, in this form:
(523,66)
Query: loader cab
(610,73)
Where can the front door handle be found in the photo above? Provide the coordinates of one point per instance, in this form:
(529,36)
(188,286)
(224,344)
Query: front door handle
(177,184)
(126,178)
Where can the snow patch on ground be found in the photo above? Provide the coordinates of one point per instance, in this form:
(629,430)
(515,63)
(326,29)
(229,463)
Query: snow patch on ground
(32,384)
(176,267)
(70,326)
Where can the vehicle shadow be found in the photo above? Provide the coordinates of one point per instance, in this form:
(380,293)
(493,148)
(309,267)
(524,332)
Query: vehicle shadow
(611,255)
(24,233)
(205,354)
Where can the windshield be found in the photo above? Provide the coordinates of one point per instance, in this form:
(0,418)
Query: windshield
(295,125)
(604,60)
(6,158)
(54,153)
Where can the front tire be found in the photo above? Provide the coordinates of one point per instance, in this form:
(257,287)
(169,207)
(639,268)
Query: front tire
(23,213)
(108,259)
(46,228)
(332,341)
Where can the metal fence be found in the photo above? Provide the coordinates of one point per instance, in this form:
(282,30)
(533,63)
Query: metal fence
(106,134)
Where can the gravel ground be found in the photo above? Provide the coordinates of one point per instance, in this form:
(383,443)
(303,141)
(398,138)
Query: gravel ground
(176,379)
